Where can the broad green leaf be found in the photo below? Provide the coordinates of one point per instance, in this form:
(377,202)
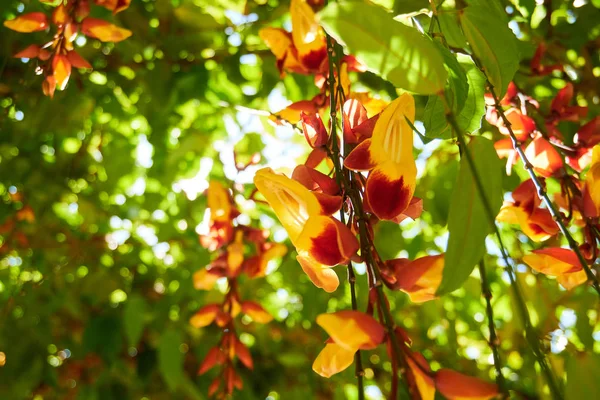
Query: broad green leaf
(468,222)
(396,52)
(451,29)
(170,358)
(582,376)
(134,319)
(473,111)
(456,90)
(493,43)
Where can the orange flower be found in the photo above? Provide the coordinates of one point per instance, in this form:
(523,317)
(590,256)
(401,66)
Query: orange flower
(546,160)
(322,242)
(304,50)
(256,312)
(205,279)
(456,386)
(256,266)
(222,213)
(26,23)
(114,5)
(421,371)
(525,210)
(420,278)
(104,31)
(349,331)
(558,262)
(522,125)
(592,185)
(205,316)
(388,155)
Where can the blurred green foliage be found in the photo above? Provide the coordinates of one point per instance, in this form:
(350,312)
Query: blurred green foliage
(101,194)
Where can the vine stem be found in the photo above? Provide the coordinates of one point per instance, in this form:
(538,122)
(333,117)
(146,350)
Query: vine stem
(334,155)
(366,247)
(493,340)
(531,333)
(541,192)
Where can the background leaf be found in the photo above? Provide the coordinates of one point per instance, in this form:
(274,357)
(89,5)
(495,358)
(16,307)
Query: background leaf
(387,47)
(468,223)
(493,43)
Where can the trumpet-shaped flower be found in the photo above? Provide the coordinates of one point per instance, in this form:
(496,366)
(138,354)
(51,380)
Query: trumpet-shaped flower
(349,331)
(304,50)
(456,386)
(420,278)
(322,242)
(388,155)
(558,262)
(525,210)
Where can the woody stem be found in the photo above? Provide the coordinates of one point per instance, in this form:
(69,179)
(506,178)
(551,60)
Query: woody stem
(334,155)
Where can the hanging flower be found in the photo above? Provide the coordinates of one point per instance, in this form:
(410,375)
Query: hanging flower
(349,332)
(388,155)
(303,50)
(558,262)
(420,278)
(536,222)
(591,191)
(322,242)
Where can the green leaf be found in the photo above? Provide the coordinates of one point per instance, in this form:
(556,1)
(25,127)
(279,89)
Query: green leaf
(410,6)
(473,108)
(396,52)
(134,319)
(451,29)
(493,43)
(582,376)
(468,222)
(473,111)
(170,359)
(456,91)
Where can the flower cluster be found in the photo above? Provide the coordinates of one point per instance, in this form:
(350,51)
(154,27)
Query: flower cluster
(331,204)
(350,331)
(230,241)
(57,57)
(554,153)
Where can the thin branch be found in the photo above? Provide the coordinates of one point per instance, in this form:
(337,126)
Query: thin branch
(493,340)
(334,155)
(540,188)
(531,333)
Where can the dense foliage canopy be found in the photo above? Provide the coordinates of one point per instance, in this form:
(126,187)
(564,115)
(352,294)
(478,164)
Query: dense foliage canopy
(179,178)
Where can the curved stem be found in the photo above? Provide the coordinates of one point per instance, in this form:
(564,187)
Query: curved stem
(334,155)
(540,188)
(493,340)
(531,333)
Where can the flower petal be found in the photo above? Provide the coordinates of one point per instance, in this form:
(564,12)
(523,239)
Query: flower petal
(104,31)
(307,35)
(291,202)
(559,262)
(327,241)
(31,22)
(389,190)
(420,369)
(456,386)
(205,316)
(322,276)
(205,279)
(352,330)
(333,359)
(256,312)
(546,160)
(360,158)
(420,278)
